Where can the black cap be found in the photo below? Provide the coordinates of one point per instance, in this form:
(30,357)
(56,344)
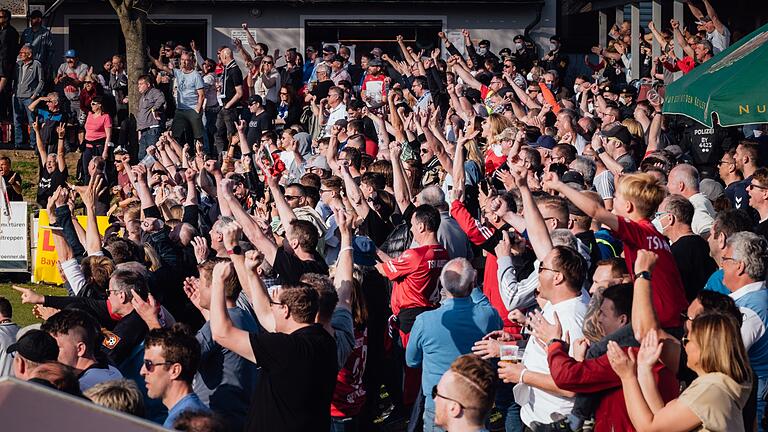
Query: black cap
(375,62)
(255,99)
(619,132)
(572,177)
(329,49)
(37,346)
(484,42)
(36,14)
(338,58)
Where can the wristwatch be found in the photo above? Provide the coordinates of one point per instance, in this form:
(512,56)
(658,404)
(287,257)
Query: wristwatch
(237,250)
(600,150)
(645,275)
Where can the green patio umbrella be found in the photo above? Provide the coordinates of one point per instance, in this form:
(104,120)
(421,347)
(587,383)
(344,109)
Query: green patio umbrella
(733,85)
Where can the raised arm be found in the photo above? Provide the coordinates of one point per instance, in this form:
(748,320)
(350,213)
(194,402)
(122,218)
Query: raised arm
(158,64)
(466,76)
(61,161)
(41,151)
(287,216)
(343,280)
(250,227)
(142,188)
(680,38)
(354,194)
(538,234)
(719,26)
(585,204)
(643,315)
(399,184)
(89,194)
(223,330)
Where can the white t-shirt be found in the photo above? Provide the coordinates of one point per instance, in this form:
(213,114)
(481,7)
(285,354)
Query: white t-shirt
(719,41)
(703,214)
(536,404)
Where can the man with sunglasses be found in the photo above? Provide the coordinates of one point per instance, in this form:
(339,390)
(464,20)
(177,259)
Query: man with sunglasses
(464,396)
(171,358)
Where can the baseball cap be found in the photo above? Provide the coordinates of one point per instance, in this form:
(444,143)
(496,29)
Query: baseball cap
(375,62)
(508,134)
(573,177)
(70,53)
(545,141)
(363,251)
(120,150)
(484,42)
(255,99)
(319,162)
(36,14)
(711,189)
(37,346)
(619,132)
(505,52)
(377,52)
(329,49)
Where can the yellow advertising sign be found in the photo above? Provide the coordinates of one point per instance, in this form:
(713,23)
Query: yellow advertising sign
(46,268)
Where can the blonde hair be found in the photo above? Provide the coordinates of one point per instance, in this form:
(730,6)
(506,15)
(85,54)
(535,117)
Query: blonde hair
(473,153)
(634,127)
(497,123)
(643,190)
(120,395)
(151,257)
(720,345)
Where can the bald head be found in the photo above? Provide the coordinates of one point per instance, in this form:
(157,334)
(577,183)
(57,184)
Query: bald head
(226,54)
(458,277)
(433,196)
(684,179)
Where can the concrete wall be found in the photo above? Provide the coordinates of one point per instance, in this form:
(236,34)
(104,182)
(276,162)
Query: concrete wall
(282,26)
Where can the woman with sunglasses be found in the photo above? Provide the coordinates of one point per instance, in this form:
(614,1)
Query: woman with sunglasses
(713,402)
(98,135)
(288,110)
(267,84)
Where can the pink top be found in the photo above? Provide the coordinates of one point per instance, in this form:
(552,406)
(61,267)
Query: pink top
(96,126)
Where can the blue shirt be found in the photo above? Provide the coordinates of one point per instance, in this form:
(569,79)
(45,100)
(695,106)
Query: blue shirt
(187,85)
(441,335)
(715,283)
(225,381)
(189,402)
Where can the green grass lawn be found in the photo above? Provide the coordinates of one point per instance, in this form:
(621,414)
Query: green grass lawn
(22,313)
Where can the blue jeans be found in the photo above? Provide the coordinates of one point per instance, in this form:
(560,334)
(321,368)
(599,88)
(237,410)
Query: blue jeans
(505,402)
(148,137)
(429,420)
(762,388)
(22,117)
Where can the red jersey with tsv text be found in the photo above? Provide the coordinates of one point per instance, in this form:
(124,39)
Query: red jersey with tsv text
(349,394)
(668,295)
(414,275)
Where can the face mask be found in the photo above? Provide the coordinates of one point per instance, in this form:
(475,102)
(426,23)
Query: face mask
(590,107)
(518,46)
(622,100)
(553,45)
(549,85)
(529,77)
(482,51)
(758,133)
(658,225)
(497,150)
(576,88)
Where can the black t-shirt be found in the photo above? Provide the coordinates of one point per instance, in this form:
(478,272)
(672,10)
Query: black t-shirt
(12,194)
(694,263)
(298,375)
(762,229)
(232,77)
(290,268)
(48,184)
(376,228)
(258,124)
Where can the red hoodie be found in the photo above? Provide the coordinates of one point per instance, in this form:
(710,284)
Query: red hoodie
(486,236)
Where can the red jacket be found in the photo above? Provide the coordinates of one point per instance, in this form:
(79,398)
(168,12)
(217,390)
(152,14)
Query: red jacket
(596,375)
(485,236)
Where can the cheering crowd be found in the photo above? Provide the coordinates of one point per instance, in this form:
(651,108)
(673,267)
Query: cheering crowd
(459,241)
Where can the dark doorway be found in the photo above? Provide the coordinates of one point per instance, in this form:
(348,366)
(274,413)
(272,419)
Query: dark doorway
(368,34)
(97,40)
